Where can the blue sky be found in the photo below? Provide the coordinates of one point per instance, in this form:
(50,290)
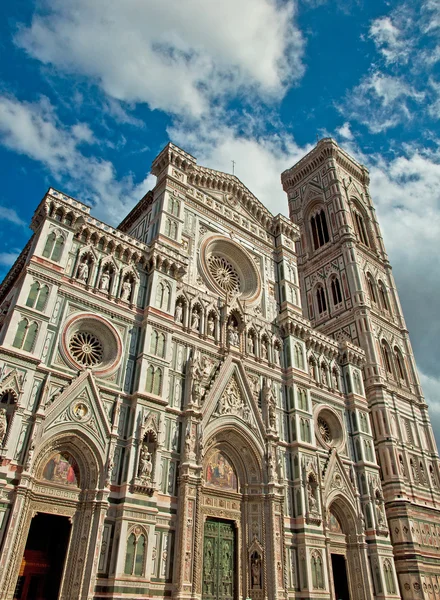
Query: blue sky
(91,91)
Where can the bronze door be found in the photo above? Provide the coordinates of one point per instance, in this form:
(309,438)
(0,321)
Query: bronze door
(218,561)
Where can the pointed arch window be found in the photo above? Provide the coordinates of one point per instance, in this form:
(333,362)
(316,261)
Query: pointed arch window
(171,229)
(389,577)
(42,298)
(336,291)
(320,299)
(163,293)
(173,206)
(386,357)
(317,571)
(157,343)
(135,554)
(361,229)
(154,380)
(20,333)
(33,293)
(298,356)
(302,399)
(383,295)
(400,363)
(319,228)
(371,288)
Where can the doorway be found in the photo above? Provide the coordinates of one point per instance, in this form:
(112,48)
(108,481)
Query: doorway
(43,560)
(340,577)
(218,561)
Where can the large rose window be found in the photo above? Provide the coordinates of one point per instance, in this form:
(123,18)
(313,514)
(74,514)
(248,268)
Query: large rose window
(228,268)
(328,427)
(86,348)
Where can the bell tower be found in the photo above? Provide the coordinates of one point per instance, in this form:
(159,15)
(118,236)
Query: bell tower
(348,292)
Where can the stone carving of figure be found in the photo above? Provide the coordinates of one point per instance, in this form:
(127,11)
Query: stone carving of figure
(269,398)
(211,326)
(264,350)
(126,290)
(335,379)
(233,337)
(311,497)
(196,374)
(145,463)
(178,313)
(189,443)
(30,455)
(256,571)
(110,465)
(380,512)
(276,355)
(195,320)
(83,272)
(251,344)
(323,375)
(3,425)
(104,284)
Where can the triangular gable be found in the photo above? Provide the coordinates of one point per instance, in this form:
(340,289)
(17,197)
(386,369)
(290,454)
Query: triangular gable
(336,480)
(353,188)
(79,406)
(231,395)
(312,190)
(12,382)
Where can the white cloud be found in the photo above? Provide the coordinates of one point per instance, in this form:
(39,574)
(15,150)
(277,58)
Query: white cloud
(10,215)
(388,33)
(176,56)
(34,130)
(381,101)
(345,132)
(8,258)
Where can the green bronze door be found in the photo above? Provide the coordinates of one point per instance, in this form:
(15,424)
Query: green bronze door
(218,561)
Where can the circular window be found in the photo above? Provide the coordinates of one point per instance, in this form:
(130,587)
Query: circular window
(86,349)
(328,427)
(228,268)
(90,341)
(224,274)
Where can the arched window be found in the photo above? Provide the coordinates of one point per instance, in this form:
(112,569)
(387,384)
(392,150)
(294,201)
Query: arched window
(135,555)
(163,295)
(371,288)
(389,577)
(400,363)
(154,380)
(433,476)
(386,357)
(317,571)
(305,430)
(50,243)
(422,474)
(42,298)
(336,291)
(31,336)
(150,379)
(157,343)
(383,295)
(33,293)
(318,224)
(302,399)
(171,229)
(320,299)
(361,229)
(20,333)
(173,206)
(298,356)
(413,471)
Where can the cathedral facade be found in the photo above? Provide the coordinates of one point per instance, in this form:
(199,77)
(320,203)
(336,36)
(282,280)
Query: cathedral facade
(211,402)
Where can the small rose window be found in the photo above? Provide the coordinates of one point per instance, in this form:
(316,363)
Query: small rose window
(328,427)
(86,349)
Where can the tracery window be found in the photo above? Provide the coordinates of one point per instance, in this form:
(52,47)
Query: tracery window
(320,298)
(400,363)
(389,577)
(317,571)
(157,343)
(304,426)
(53,247)
(298,356)
(361,229)
(371,288)
(135,555)
(336,291)
(318,224)
(163,294)
(302,399)
(171,229)
(173,206)
(25,335)
(383,295)
(154,380)
(37,296)
(386,357)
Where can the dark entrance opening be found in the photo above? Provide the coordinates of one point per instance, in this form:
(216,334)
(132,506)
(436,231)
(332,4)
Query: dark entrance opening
(43,559)
(218,579)
(340,577)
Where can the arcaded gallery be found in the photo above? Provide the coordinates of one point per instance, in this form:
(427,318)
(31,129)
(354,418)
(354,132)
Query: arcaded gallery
(210,402)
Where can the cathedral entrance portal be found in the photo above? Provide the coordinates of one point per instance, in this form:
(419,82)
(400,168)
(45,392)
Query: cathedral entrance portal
(218,581)
(43,560)
(340,577)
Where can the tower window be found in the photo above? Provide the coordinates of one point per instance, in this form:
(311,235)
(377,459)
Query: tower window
(371,288)
(318,224)
(336,291)
(383,296)
(386,357)
(320,298)
(361,229)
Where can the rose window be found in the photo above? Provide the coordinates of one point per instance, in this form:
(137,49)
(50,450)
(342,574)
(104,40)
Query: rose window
(324,430)
(86,349)
(224,274)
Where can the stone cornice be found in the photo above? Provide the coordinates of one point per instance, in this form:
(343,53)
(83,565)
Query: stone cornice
(140,208)
(15,270)
(352,354)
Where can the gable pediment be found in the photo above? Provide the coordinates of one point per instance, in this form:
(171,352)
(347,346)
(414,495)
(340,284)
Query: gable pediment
(336,479)
(78,407)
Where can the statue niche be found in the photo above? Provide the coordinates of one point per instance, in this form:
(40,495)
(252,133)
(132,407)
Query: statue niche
(144,481)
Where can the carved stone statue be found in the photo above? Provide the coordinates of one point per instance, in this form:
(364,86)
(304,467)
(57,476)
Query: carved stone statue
(3,425)
(145,464)
(233,336)
(380,512)
(256,571)
(178,314)
(195,320)
(104,283)
(211,326)
(30,456)
(335,380)
(83,272)
(269,398)
(311,497)
(277,355)
(126,290)
(264,350)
